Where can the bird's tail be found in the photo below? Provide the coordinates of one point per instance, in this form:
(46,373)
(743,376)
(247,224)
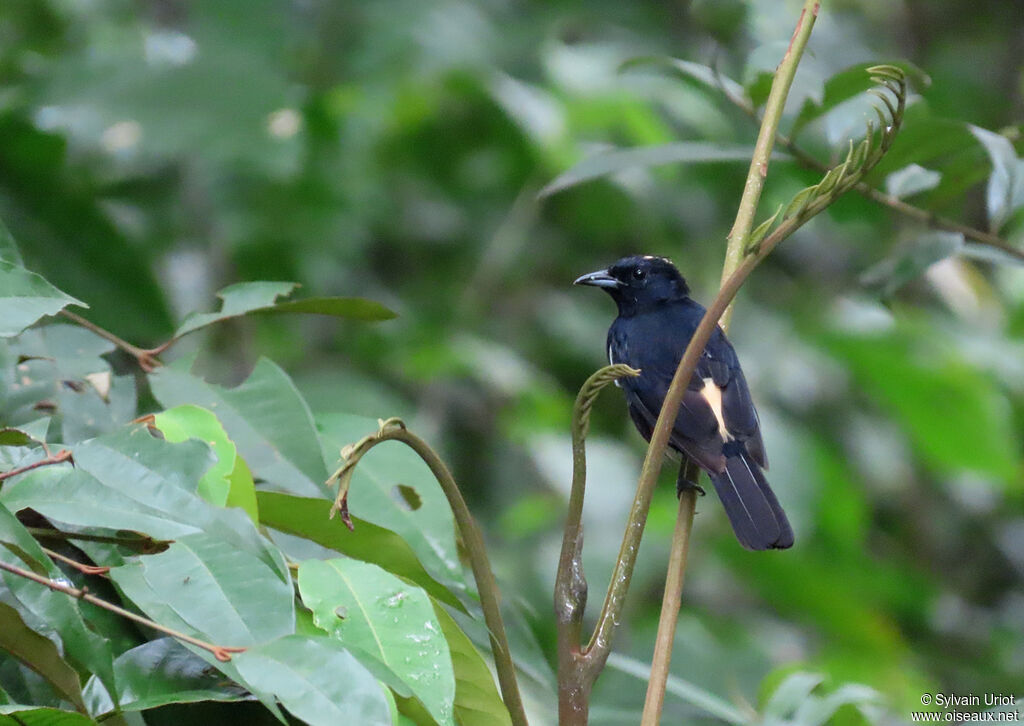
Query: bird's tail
(755,513)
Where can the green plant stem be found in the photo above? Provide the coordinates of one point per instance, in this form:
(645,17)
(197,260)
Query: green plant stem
(394,430)
(766,140)
(576,667)
(220,652)
(734,262)
(670,604)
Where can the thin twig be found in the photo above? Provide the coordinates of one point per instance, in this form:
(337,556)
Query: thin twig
(220,652)
(394,430)
(146,357)
(83,568)
(734,262)
(58,458)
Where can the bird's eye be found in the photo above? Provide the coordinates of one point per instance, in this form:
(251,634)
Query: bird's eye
(639,273)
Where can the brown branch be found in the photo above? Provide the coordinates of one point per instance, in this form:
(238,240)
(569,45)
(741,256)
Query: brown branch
(146,357)
(220,652)
(58,458)
(83,568)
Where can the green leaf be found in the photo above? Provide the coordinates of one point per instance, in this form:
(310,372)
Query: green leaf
(368,608)
(60,613)
(160,672)
(26,297)
(477,701)
(800,201)
(261,297)
(134,481)
(374,496)
(789,694)
(265,417)
(761,230)
(1005,190)
(182,423)
(614,161)
(310,518)
(317,680)
(910,180)
(242,490)
(225,595)
(39,654)
(18,715)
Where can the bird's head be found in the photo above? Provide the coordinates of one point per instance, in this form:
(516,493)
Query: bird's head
(638,281)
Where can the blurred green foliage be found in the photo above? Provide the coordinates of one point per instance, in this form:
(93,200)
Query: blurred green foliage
(154,152)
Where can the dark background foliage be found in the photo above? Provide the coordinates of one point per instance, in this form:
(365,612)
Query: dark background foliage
(154,152)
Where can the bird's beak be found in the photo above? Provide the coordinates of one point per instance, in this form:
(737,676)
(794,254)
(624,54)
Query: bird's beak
(601,278)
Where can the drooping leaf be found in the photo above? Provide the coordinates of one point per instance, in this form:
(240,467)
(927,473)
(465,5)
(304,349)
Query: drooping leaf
(160,672)
(310,518)
(317,680)
(477,701)
(704,75)
(429,530)
(83,647)
(39,654)
(265,417)
(26,297)
(261,297)
(614,161)
(387,619)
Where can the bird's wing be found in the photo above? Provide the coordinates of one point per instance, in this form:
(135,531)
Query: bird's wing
(720,368)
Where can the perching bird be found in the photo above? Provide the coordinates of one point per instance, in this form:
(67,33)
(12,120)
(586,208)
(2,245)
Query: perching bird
(717,426)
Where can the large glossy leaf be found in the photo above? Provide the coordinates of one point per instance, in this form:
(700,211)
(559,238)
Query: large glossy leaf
(26,297)
(477,702)
(375,496)
(614,161)
(310,518)
(160,672)
(368,608)
(227,595)
(317,680)
(261,297)
(265,416)
(41,655)
(131,480)
(59,612)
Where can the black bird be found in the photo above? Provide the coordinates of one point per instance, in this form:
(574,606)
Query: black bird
(717,426)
